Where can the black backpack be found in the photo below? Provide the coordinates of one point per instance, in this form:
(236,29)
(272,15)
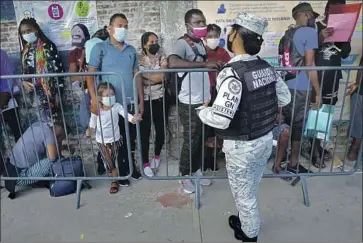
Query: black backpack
(289,56)
(173,81)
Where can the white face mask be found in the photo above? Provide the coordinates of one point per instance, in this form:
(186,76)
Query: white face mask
(212,43)
(109,101)
(120,34)
(30,38)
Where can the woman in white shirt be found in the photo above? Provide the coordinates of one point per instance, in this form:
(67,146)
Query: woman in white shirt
(108,137)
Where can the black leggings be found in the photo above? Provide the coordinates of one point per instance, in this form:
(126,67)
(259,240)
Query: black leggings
(156,114)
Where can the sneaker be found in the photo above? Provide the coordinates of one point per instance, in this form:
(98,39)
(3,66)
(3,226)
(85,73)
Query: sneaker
(148,171)
(155,162)
(124,182)
(136,175)
(188,186)
(203,182)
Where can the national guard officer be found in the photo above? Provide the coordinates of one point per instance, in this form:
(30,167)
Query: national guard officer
(244,113)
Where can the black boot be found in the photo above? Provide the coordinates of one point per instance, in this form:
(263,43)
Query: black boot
(235,224)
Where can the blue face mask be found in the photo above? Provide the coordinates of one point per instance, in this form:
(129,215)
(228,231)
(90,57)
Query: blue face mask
(120,34)
(30,38)
(109,101)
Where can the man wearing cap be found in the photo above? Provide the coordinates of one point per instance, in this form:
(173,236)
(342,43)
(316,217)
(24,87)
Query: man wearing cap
(328,54)
(244,114)
(304,41)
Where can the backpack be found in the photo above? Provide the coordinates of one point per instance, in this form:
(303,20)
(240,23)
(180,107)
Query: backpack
(64,167)
(289,56)
(173,81)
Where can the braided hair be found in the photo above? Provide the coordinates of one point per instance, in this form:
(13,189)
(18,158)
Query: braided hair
(41,35)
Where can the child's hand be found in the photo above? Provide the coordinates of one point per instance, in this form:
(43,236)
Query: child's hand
(136,118)
(88,132)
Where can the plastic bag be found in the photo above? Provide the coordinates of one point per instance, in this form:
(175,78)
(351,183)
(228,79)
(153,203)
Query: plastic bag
(319,123)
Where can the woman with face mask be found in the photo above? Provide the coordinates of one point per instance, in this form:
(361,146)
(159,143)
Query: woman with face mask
(39,55)
(155,107)
(214,53)
(244,114)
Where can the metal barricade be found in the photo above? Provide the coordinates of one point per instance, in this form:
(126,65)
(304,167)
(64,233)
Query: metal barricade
(163,174)
(39,113)
(187,120)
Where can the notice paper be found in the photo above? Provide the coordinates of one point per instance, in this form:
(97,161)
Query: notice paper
(343,25)
(343,19)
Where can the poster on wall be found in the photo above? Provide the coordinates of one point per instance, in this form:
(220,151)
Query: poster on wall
(278,14)
(57,18)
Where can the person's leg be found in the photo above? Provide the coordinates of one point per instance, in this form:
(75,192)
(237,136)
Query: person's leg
(184,165)
(13,121)
(123,163)
(356,125)
(100,165)
(145,128)
(281,133)
(245,163)
(108,155)
(296,118)
(40,169)
(158,118)
(132,135)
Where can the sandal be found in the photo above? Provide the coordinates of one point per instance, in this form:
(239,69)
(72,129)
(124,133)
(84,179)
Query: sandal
(316,163)
(114,187)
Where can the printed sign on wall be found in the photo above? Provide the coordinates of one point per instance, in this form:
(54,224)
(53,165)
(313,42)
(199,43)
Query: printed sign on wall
(57,18)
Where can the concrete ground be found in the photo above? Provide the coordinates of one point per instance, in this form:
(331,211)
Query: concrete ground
(134,215)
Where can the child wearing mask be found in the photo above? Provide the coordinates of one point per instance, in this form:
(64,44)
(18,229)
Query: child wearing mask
(109,140)
(214,52)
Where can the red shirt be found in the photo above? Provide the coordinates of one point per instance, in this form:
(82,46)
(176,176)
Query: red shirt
(77,56)
(214,55)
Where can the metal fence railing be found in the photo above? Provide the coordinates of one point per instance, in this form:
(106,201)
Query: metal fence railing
(178,121)
(30,109)
(196,178)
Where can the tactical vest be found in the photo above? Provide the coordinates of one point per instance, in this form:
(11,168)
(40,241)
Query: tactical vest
(256,113)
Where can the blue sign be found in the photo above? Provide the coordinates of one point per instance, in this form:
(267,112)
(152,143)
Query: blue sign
(221,9)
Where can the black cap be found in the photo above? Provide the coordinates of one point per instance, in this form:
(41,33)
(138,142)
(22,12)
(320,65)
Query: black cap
(304,7)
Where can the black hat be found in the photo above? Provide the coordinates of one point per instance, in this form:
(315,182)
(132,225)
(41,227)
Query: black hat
(304,7)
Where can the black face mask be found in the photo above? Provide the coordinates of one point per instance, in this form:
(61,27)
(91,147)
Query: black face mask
(154,48)
(311,22)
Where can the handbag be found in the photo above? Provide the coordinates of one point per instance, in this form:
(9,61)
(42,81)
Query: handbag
(66,167)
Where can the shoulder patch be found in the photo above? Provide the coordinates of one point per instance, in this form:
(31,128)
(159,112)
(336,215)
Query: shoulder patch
(235,87)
